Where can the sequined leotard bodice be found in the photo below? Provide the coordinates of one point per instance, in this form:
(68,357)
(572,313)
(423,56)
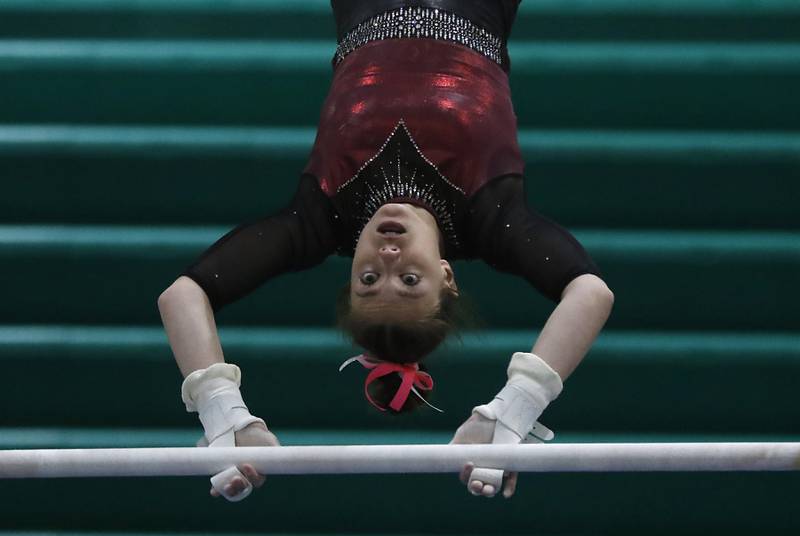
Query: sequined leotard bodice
(414,120)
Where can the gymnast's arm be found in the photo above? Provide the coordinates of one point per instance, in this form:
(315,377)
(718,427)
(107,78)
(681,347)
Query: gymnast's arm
(515,239)
(296,238)
(512,238)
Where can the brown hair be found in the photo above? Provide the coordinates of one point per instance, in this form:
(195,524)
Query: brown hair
(401,342)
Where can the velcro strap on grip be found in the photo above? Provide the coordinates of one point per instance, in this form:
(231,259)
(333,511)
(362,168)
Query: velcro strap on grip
(224,415)
(515,411)
(539,434)
(214,393)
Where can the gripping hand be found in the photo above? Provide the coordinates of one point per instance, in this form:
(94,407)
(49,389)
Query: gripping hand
(510,418)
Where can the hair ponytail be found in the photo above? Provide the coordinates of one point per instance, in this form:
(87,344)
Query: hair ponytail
(400,342)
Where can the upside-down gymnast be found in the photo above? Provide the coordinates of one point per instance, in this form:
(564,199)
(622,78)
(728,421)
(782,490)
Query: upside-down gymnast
(415,163)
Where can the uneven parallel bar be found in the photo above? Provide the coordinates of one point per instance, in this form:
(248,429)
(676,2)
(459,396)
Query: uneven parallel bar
(599,457)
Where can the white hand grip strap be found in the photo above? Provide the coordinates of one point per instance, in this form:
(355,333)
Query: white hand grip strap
(223,478)
(539,434)
(213,392)
(492,477)
(514,411)
(224,415)
(531,386)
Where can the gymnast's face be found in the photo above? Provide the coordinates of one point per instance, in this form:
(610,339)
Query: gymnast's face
(398,273)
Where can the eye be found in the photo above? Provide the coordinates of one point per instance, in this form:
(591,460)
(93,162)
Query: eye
(368,278)
(410,279)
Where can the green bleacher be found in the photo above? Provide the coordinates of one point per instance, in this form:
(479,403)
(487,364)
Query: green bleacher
(664,134)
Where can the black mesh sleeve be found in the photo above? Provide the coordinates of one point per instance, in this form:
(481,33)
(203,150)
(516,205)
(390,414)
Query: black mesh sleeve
(513,238)
(298,237)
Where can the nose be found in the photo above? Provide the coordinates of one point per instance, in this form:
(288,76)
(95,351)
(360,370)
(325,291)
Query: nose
(389,252)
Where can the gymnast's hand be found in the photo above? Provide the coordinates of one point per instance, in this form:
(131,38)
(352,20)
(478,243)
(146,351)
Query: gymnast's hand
(254,435)
(478,429)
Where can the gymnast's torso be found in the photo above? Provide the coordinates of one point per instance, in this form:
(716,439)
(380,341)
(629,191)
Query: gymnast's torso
(414,120)
(419,111)
(423,117)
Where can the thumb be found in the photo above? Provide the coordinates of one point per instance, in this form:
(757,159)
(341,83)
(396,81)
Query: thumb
(511,485)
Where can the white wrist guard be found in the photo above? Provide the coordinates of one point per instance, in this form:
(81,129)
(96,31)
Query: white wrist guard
(531,386)
(214,394)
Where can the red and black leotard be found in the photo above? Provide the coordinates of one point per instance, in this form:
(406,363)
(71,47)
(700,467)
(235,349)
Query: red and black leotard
(424,120)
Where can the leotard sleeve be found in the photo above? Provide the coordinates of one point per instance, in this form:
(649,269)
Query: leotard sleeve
(296,238)
(513,238)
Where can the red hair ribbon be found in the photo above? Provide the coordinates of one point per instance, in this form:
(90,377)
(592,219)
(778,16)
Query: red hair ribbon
(412,378)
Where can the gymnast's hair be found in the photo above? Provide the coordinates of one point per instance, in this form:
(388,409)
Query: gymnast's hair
(403,342)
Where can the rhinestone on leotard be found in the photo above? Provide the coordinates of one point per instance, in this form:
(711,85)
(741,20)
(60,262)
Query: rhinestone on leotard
(399,171)
(421,22)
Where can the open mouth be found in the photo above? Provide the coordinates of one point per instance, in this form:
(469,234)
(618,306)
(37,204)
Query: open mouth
(391,228)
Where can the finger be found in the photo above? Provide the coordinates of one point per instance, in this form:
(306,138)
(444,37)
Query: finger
(252,475)
(256,479)
(490,477)
(241,485)
(231,484)
(236,486)
(465,472)
(511,485)
(214,493)
(475,487)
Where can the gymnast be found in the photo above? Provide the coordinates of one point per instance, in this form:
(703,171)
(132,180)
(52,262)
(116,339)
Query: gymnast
(416,163)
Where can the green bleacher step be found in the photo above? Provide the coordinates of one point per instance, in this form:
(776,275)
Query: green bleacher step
(661,280)
(92,438)
(618,503)
(563,85)
(590,503)
(184,19)
(201,175)
(770,20)
(645,382)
